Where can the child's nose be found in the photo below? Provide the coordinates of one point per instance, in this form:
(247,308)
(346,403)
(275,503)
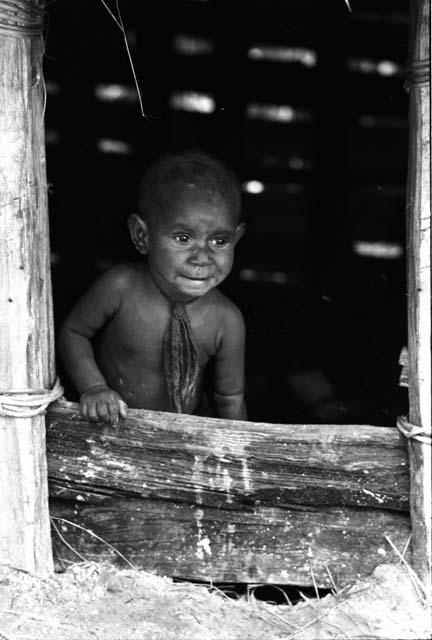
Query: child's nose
(200,255)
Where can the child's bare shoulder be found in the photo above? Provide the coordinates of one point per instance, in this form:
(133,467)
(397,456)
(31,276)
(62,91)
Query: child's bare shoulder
(228,315)
(123,277)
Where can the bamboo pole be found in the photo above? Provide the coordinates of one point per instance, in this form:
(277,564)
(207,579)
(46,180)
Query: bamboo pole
(419,300)
(26,328)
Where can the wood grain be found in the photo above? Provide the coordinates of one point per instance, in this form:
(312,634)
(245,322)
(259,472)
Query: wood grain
(26,333)
(419,297)
(221,463)
(259,545)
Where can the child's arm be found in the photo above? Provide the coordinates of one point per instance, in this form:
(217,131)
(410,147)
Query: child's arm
(93,310)
(228,393)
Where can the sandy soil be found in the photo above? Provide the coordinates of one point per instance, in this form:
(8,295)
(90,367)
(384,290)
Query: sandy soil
(94,601)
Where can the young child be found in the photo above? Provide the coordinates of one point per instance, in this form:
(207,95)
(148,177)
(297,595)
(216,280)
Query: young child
(160,320)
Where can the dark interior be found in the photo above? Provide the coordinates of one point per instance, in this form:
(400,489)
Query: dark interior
(305,100)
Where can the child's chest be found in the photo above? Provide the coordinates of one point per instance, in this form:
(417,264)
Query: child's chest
(139,331)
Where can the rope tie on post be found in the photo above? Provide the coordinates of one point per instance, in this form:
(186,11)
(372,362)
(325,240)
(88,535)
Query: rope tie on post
(413,432)
(418,74)
(22,18)
(28,403)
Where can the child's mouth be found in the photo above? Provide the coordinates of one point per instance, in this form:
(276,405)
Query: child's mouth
(197,278)
(196,283)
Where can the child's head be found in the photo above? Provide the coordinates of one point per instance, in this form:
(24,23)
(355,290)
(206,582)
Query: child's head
(192,171)
(188,223)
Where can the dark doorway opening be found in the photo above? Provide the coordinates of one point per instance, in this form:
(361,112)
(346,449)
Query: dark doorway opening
(305,100)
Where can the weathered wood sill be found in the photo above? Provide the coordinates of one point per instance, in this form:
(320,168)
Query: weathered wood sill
(229,501)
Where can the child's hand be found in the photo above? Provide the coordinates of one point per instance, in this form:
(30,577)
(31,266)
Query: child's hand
(100,403)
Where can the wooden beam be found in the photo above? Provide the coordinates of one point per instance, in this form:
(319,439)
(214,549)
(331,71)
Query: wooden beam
(227,464)
(26,334)
(419,274)
(220,500)
(263,544)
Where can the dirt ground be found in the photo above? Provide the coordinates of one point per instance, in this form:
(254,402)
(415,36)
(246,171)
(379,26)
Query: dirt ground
(98,601)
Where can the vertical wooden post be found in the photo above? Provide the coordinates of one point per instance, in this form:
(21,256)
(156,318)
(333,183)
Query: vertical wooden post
(26,331)
(419,298)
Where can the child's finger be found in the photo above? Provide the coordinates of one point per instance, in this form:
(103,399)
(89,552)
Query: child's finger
(84,411)
(103,410)
(113,413)
(92,412)
(123,408)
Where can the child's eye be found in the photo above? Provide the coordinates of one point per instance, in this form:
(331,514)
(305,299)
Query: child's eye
(218,242)
(182,238)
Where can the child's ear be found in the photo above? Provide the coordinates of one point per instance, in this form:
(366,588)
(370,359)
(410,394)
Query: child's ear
(139,233)
(241,228)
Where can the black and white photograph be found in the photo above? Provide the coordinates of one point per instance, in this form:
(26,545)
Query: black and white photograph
(215,320)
